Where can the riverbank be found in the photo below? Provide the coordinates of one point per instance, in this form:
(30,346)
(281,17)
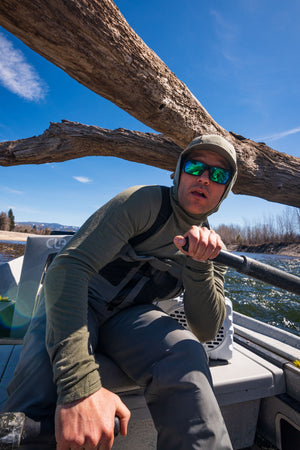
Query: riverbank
(14,236)
(11,245)
(278,248)
(11,251)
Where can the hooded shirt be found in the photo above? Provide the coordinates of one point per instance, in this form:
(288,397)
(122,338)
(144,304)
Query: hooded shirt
(99,268)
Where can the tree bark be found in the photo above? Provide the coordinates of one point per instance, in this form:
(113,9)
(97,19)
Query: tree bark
(69,140)
(92,42)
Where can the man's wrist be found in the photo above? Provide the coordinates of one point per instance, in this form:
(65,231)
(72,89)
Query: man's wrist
(82,389)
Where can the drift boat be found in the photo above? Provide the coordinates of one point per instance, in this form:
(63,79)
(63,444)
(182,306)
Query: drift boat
(255,367)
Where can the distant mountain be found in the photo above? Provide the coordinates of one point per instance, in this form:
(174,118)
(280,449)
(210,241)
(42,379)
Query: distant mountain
(53,226)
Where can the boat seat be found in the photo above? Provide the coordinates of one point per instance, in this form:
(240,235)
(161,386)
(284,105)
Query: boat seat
(8,281)
(37,250)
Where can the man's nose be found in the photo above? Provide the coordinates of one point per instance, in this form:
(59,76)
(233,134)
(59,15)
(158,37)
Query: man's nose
(204,177)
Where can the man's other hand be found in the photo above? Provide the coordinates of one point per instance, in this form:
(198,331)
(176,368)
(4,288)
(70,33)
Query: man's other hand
(88,423)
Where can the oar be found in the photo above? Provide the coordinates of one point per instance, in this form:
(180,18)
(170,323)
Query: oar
(258,270)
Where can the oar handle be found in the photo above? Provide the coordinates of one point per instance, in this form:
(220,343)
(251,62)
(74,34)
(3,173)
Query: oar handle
(17,430)
(256,269)
(117,426)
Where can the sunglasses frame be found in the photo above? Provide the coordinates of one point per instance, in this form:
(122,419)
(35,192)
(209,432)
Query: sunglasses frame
(211,170)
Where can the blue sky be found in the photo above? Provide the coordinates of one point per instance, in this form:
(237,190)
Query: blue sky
(240,58)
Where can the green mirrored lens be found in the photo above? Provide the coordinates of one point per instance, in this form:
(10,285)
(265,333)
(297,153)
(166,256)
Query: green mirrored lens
(194,167)
(219,175)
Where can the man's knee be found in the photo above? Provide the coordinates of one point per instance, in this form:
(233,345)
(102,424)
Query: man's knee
(186,353)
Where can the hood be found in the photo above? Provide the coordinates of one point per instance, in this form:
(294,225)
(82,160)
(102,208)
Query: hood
(214,143)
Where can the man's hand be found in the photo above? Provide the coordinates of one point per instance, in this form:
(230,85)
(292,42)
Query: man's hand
(88,423)
(203,243)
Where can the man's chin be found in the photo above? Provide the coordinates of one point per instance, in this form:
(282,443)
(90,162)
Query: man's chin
(196,210)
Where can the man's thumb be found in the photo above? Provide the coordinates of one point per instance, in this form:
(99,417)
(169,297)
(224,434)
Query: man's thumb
(179,241)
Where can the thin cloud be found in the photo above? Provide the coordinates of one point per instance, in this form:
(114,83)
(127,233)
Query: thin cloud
(224,28)
(276,136)
(11,191)
(228,34)
(83,179)
(17,75)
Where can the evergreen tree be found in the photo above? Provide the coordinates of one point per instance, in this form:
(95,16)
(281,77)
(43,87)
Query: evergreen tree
(12,220)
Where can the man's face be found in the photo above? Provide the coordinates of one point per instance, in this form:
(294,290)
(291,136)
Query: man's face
(198,194)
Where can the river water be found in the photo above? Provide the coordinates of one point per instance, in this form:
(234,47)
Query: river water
(260,300)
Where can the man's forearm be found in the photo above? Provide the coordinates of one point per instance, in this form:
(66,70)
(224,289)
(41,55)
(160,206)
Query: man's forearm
(204,300)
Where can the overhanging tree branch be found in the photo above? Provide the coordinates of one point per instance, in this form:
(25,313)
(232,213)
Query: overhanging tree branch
(92,42)
(69,140)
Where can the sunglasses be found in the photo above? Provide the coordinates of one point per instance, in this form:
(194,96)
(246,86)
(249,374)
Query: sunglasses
(216,174)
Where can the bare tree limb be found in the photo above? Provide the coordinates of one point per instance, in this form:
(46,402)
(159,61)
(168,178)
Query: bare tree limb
(92,42)
(69,140)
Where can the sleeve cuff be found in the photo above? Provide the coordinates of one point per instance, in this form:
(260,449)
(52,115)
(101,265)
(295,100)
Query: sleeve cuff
(83,388)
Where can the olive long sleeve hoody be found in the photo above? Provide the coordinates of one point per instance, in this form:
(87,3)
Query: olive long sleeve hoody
(79,276)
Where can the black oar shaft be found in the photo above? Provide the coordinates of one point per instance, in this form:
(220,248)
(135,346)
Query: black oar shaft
(260,271)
